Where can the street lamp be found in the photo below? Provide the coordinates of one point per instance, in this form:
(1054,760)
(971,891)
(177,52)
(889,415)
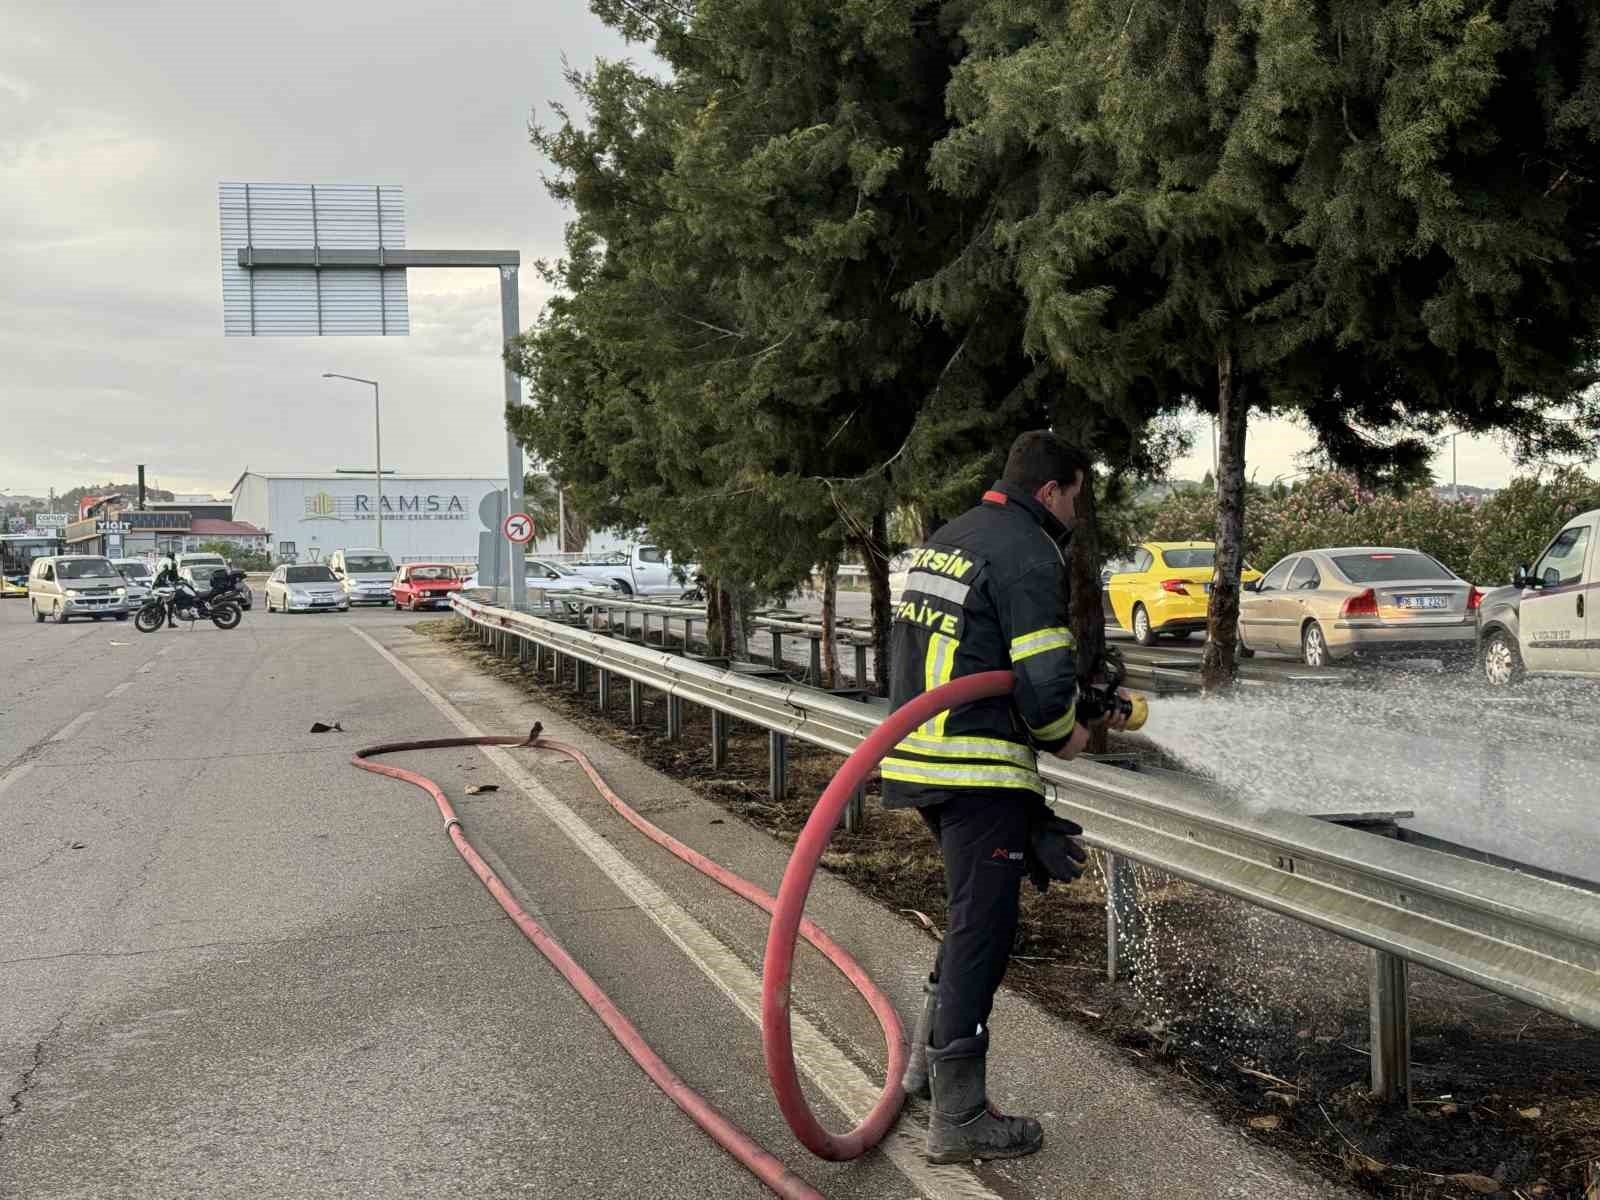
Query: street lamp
(377,433)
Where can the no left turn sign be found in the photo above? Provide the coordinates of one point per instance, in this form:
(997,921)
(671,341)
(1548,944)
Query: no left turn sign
(518,528)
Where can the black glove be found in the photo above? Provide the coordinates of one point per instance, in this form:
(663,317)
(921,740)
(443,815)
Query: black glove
(1054,851)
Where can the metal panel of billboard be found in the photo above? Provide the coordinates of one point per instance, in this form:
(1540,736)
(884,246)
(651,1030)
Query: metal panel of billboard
(312,301)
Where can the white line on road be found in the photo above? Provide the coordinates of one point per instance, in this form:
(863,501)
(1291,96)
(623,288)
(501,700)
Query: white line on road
(118,690)
(835,1074)
(72,726)
(14,777)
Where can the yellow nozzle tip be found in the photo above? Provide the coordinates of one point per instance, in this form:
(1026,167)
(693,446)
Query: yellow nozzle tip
(1140,713)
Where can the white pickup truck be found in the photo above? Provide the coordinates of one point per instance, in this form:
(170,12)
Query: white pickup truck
(642,571)
(1547,622)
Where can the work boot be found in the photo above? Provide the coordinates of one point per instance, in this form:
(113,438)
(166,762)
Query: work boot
(964,1127)
(915,1080)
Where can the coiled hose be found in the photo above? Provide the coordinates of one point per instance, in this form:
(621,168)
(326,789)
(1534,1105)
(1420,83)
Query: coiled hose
(788,922)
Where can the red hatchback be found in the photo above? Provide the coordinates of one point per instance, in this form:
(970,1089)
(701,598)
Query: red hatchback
(425,585)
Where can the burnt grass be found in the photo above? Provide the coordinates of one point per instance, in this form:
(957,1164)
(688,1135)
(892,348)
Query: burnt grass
(1262,1018)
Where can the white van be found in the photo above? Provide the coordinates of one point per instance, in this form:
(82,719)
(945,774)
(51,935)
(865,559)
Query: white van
(366,573)
(1547,622)
(64,586)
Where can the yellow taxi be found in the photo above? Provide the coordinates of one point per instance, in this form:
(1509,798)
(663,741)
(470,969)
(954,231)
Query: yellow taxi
(12,588)
(1161,589)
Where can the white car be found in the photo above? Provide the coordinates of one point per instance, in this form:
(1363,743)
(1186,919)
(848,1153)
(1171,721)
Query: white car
(305,587)
(139,576)
(366,573)
(549,576)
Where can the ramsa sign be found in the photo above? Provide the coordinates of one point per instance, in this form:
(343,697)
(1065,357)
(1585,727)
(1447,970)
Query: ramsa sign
(434,506)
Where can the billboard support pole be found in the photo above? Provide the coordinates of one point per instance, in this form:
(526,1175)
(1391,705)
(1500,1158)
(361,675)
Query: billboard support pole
(514,501)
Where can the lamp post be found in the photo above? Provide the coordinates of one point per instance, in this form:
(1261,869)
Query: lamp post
(377,435)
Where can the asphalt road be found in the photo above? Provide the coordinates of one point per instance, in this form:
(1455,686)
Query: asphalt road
(233,965)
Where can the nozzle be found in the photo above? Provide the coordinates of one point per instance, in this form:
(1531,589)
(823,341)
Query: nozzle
(1138,711)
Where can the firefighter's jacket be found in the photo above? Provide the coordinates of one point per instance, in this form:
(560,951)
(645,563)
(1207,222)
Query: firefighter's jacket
(987,592)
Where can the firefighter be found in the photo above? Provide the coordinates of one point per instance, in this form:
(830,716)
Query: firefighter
(988,591)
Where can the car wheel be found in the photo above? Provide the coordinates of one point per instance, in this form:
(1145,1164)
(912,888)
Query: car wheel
(1313,646)
(1242,646)
(1502,661)
(1142,633)
(37,615)
(624,587)
(61,614)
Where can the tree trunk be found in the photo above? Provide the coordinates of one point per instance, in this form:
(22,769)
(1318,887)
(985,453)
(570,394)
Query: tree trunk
(1219,667)
(874,555)
(736,601)
(830,614)
(1085,610)
(716,639)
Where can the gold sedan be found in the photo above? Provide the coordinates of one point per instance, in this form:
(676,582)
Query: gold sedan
(1331,604)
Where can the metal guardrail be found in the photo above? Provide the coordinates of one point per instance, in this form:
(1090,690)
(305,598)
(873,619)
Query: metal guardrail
(777,627)
(1518,935)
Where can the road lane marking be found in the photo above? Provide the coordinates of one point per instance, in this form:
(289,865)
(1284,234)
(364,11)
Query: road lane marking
(72,726)
(118,690)
(14,776)
(846,1084)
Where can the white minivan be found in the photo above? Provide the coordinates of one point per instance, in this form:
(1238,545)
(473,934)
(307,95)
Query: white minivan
(1547,622)
(366,573)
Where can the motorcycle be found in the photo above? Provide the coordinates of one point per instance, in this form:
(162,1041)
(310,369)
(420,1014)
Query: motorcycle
(221,605)
(696,592)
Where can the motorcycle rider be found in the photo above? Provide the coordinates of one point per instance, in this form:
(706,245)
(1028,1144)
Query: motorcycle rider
(184,594)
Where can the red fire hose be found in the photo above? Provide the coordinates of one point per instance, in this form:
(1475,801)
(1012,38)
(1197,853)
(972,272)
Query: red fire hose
(788,920)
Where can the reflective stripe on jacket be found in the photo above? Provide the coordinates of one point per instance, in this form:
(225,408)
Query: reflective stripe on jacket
(987,592)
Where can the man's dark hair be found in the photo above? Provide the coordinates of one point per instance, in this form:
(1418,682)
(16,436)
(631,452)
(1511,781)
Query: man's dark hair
(1039,456)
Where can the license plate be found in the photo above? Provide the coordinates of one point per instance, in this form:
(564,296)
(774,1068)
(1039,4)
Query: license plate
(1423,601)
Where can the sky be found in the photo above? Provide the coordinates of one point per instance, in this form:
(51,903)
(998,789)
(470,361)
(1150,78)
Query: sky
(117,122)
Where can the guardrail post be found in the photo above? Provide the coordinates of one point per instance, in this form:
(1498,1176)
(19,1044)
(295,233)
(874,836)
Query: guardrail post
(605,690)
(777,764)
(635,702)
(855,810)
(1122,915)
(674,717)
(1391,1028)
(580,676)
(861,665)
(777,648)
(524,650)
(814,672)
(644,628)
(719,738)
(688,633)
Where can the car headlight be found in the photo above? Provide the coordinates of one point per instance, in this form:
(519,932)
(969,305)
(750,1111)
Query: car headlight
(122,591)
(74,592)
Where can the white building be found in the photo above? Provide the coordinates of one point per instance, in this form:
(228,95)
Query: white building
(426,518)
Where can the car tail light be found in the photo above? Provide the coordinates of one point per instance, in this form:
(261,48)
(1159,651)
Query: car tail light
(1174,586)
(1474,600)
(1362,604)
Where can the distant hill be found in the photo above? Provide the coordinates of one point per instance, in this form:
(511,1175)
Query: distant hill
(1468,492)
(68,501)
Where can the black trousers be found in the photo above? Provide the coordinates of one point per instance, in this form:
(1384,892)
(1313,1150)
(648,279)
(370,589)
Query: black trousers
(983,836)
